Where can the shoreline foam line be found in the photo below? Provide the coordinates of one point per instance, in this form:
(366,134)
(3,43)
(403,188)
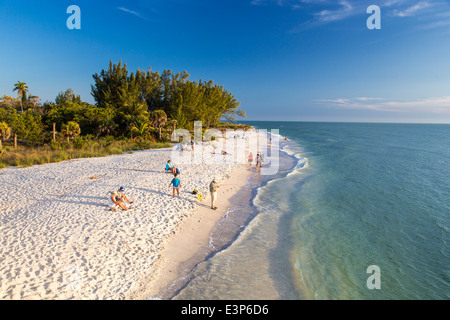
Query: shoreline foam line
(190,244)
(257,183)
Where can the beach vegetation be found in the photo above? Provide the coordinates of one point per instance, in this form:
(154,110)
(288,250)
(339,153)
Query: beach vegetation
(180,98)
(141,131)
(70,130)
(9,102)
(132,111)
(22,91)
(5,131)
(25,156)
(158,118)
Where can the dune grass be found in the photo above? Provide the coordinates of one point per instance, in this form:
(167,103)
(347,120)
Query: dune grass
(30,156)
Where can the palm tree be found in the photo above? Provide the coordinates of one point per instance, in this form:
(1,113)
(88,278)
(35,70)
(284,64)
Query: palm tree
(22,90)
(181,118)
(158,118)
(141,130)
(34,101)
(70,130)
(5,131)
(134,113)
(172,123)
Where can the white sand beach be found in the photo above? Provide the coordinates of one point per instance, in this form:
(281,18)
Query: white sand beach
(60,241)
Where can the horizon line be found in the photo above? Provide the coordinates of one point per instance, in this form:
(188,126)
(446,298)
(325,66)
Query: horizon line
(336,121)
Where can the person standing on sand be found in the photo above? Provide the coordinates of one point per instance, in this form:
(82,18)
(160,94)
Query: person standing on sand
(213,189)
(250,160)
(176,183)
(258,163)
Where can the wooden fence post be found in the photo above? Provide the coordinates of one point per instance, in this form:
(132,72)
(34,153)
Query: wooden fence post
(54,131)
(15,140)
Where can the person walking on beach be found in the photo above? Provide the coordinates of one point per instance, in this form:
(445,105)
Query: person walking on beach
(250,161)
(258,163)
(176,184)
(213,189)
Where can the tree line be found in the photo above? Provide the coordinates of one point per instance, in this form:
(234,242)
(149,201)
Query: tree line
(145,105)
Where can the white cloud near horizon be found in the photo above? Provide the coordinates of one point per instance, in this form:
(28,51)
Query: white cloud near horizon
(435,105)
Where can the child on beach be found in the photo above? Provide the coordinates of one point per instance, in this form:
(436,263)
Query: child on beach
(176,183)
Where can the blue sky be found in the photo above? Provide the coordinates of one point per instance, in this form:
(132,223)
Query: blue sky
(305,60)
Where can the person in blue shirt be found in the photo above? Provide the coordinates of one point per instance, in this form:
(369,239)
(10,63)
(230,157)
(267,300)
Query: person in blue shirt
(170,167)
(176,183)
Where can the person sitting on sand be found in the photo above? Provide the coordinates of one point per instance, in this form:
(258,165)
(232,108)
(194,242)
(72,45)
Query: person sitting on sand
(176,183)
(123,197)
(115,200)
(170,167)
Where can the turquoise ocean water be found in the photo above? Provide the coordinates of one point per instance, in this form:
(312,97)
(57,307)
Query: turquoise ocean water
(356,195)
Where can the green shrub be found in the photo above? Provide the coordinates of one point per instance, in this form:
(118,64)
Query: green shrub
(106,141)
(60,156)
(79,142)
(56,146)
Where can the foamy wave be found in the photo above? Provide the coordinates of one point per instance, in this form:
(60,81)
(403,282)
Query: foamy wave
(286,149)
(302,162)
(256,198)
